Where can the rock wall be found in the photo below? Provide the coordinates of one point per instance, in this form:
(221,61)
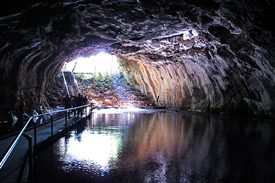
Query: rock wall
(217,84)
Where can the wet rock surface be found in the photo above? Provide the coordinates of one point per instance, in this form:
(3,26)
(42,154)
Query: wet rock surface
(198,55)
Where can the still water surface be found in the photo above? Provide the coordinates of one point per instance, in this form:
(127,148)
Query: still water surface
(144,146)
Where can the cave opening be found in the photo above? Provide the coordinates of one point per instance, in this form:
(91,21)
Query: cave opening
(99,64)
(100,79)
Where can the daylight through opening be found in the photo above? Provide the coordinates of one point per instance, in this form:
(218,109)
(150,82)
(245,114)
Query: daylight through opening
(100,64)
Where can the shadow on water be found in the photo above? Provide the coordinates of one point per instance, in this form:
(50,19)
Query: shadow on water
(162,147)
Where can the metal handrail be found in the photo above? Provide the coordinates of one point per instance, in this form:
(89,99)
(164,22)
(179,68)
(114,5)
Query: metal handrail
(15,141)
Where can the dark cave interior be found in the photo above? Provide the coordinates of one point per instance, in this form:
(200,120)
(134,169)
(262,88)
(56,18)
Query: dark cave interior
(212,55)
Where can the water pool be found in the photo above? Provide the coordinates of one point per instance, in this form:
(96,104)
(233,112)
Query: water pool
(162,146)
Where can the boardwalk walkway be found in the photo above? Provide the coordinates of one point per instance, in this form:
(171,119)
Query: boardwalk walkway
(12,170)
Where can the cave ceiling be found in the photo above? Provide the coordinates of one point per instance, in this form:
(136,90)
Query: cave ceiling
(191,54)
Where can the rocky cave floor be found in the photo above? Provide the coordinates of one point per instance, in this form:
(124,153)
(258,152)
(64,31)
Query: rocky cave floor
(101,91)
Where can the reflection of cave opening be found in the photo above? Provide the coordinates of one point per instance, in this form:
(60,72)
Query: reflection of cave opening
(101,80)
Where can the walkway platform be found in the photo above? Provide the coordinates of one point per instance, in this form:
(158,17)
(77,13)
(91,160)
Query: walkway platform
(12,170)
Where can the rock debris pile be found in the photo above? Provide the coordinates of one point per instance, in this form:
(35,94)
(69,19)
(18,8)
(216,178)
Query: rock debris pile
(102,91)
(112,92)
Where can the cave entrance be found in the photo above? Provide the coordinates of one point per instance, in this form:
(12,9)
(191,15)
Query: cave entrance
(101,80)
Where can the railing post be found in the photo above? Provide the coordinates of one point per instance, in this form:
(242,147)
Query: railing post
(81,112)
(29,138)
(66,120)
(35,137)
(86,110)
(75,115)
(51,125)
(34,151)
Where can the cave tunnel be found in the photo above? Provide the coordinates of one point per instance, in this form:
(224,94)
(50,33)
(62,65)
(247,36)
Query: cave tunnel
(182,55)
(209,56)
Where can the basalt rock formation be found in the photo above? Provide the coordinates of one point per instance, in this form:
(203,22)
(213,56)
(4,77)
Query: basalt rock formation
(206,55)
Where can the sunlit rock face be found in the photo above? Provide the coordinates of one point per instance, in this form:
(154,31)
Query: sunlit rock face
(200,55)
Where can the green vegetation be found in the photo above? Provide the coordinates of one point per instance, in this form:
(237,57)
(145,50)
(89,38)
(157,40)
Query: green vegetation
(98,79)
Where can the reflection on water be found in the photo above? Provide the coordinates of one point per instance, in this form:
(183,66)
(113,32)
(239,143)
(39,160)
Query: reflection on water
(162,147)
(93,149)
